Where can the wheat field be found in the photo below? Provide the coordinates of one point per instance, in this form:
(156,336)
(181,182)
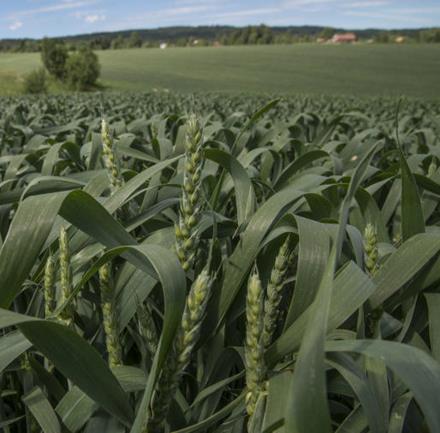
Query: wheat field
(214,263)
(363,70)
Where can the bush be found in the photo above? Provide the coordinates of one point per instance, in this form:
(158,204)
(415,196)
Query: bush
(82,69)
(54,56)
(35,82)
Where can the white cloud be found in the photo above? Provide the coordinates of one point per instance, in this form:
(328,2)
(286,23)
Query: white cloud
(293,3)
(247,12)
(56,7)
(367,4)
(395,17)
(94,18)
(184,10)
(90,16)
(173,12)
(421,11)
(15,25)
(179,3)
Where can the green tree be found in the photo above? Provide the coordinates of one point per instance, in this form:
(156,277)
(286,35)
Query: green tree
(135,40)
(83,69)
(54,56)
(100,43)
(181,42)
(382,38)
(265,35)
(430,36)
(35,82)
(118,42)
(326,33)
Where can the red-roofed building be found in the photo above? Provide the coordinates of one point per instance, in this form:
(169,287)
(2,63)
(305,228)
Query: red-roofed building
(344,38)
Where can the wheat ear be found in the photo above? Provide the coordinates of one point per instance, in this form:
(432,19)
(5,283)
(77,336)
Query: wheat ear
(147,328)
(110,159)
(371,250)
(180,355)
(254,350)
(274,290)
(66,314)
(190,203)
(109,316)
(49,287)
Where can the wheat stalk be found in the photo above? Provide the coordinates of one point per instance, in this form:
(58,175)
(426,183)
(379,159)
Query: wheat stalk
(147,328)
(110,158)
(49,286)
(371,251)
(432,168)
(254,350)
(66,315)
(109,316)
(190,203)
(180,355)
(274,291)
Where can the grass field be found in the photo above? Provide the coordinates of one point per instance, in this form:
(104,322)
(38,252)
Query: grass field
(364,70)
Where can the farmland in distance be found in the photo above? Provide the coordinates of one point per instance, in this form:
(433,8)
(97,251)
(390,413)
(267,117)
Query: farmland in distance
(361,70)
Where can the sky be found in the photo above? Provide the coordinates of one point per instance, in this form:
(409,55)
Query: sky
(38,18)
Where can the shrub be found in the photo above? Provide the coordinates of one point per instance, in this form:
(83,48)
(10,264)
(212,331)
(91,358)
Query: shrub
(35,82)
(54,56)
(82,69)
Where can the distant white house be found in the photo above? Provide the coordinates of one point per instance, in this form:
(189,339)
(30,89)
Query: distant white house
(163,45)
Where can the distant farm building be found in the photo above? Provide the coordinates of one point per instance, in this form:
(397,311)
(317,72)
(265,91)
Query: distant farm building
(344,38)
(400,39)
(163,45)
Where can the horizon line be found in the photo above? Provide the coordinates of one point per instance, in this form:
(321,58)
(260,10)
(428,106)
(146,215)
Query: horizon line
(354,29)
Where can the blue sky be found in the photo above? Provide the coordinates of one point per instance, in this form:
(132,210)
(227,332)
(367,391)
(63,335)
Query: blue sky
(37,18)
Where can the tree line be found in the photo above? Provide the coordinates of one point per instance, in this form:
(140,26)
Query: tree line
(205,36)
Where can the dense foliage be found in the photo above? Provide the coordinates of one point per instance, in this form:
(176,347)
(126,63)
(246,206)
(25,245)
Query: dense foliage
(260,266)
(82,69)
(54,56)
(79,70)
(35,82)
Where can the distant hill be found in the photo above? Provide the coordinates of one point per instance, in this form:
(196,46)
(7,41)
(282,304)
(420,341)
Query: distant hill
(228,35)
(172,34)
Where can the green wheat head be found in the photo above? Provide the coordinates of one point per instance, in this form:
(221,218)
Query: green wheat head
(254,349)
(274,292)
(109,316)
(179,358)
(110,159)
(371,251)
(66,314)
(49,287)
(190,203)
